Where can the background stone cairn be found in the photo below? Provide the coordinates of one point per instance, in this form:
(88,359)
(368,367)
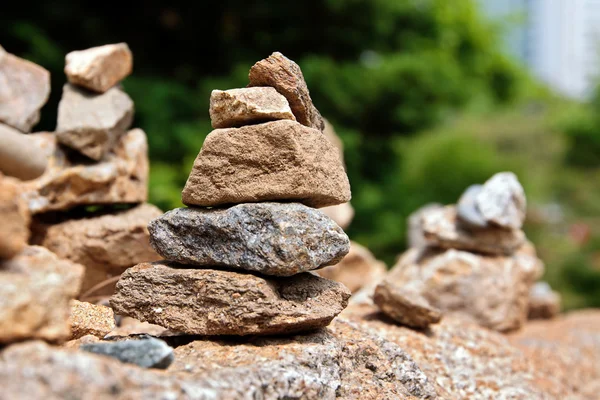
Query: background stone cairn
(238,258)
(471,259)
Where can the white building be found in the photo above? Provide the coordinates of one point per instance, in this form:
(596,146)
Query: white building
(559,40)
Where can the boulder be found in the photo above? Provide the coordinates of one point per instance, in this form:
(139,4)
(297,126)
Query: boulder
(15,218)
(502,202)
(342,214)
(287,161)
(24,89)
(238,107)
(216,302)
(280,239)
(106,244)
(93,123)
(544,303)
(99,68)
(35,290)
(146,352)
(121,177)
(441,228)
(357,270)
(283,74)
(90,319)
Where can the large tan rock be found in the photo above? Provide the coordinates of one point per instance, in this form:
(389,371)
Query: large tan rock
(90,319)
(24,89)
(121,177)
(238,107)
(358,269)
(283,74)
(93,123)
(490,290)
(15,218)
(216,302)
(442,228)
(274,161)
(106,245)
(35,290)
(99,68)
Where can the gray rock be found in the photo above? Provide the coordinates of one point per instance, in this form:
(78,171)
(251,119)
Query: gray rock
(466,208)
(502,202)
(147,352)
(280,239)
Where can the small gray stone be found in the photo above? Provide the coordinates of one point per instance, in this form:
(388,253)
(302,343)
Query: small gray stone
(502,202)
(147,352)
(466,208)
(280,239)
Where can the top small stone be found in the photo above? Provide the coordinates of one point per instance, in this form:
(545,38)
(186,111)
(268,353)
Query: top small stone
(99,68)
(502,202)
(238,107)
(283,74)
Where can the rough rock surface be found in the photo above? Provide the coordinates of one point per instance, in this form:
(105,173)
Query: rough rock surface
(283,74)
(216,302)
(357,270)
(490,290)
(441,228)
(238,107)
(24,89)
(121,177)
(90,319)
(15,218)
(287,161)
(405,305)
(99,68)
(281,239)
(544,302)
(502,202)
(105,245)
(35,290)
(92,123)
(146,352)
(342,214)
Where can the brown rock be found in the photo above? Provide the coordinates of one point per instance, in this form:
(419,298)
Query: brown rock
(35,290)
(131,326)
(15,218)
(405,305)
(92,123)
(121,177)
(105,245)
(441,228)
(274,161)
(286,76)
(24,89)
(215,302)
(490,290)
(357,270)
(90,319)
(99,68)
(342,214)
(238,107)
(544,303)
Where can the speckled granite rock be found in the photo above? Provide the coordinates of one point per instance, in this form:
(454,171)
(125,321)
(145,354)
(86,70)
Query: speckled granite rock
(288,162)
(35,290)
(90,319)
(216,302)
(544,303)
(285,75)
(270,238)
(15,218)
(24,89)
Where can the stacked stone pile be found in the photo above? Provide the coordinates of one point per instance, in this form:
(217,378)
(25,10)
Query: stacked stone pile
(238,258)
(474,261)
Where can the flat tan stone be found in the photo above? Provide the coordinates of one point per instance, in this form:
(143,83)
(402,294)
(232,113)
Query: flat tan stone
(283,74)
(15,218)
(274,161)
(24,89)
(99,68)
(90,319)
(238,107)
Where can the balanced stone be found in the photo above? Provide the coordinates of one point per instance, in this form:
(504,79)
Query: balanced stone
(217,302)
(271,238)
(15,218)
(99,68)
(90,319)
(441,228)
(502,202)
(280,160)
(285,75)
(238,107)
(146,352)
(92,123)
(467,210)
(24,89)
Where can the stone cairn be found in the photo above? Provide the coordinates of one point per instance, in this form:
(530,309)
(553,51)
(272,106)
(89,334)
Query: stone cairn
(238,257)
(471,259)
